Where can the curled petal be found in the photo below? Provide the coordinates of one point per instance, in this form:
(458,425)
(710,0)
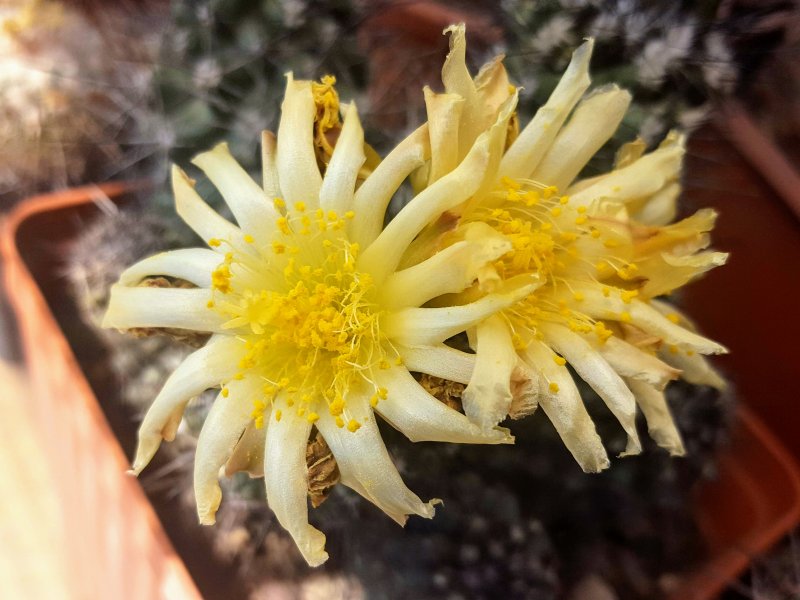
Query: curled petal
(226,422)
(177,308)
(563,406)
(286,479)
(595,120)
(595,371)
(208,367)
(297,163)
(249,204)
(444,117)
(248,456)
(428,326)
(190,264)
(439,361)
(659,420)
(339,183)
(488,396)
(526,152)
(421,417)
(633,363)
(365,465)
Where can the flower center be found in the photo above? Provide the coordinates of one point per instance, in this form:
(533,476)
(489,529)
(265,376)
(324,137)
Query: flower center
(307,316)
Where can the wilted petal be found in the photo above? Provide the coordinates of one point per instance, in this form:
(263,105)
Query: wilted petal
(224,425)
(205,368)
(695,368)
(365,465)
(629,361)
(444,117)
(488,396)
(248,456)
(565,409)
(190,264)
(286,479)
(177,308)
(659,420)
(594,370)
(421,417)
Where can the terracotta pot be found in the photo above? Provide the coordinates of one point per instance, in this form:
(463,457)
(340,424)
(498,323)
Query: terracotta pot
(117,546)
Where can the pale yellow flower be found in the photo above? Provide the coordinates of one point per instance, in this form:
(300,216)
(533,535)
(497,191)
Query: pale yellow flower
(313,324)
(601,249)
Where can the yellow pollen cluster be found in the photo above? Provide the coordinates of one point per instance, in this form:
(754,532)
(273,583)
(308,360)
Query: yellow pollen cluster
(306,316)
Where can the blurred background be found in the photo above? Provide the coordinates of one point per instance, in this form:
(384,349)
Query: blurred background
(97,99)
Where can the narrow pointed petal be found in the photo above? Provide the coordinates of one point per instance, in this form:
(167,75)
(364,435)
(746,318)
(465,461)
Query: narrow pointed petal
(286,479)
(488,396)
(198,215)
(444,117)
(427,326)
(565,409)
(190,264)
(449,271)
(383,255)
(527,151)
(248,455)
(659,419)
(373,196)
(222,430)
(297,164)
(365,465)
(177,308)
(594,370)
(695,368)
(421,417)
(205,368)
(633,363)
(595,120)
(249,204)
(439,361)
(339,183)
(661,208)
(642,178)
(269,168)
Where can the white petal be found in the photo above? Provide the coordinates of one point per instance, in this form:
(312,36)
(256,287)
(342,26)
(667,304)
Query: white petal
(565,409)
(595,120)
(659,419)
(488,396)
(444,117)
(190,264)
(205,368)
(198,215)
(629,361)
(449,271)
(428,326)
(594,370)
(373,196)
(161,307)
(269,167)
(528,149)
(383,255)
(421,417)
(249,204)
(348,156)
(439,361)
(297,164)
(365,465)
(695,368)
(248,455)
(286,479)
(222,430)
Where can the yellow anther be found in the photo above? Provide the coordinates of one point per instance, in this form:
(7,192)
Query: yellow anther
(214,242)
(606,291)
(579,296)
(300,206)
(248,238)
(383,393)
(673,349)
(339,422)
(259,422)
(595,233)
(332,216)
(353,425)
(384,364)
(628,295)
(559,360)
(625,316)
(283,225)
(581,209)
(278,203)
(336,407)
(690,353)
(210,304)
(311,418)
(564,200)
(511,183)
(278,414)
(674,318)
(373,400)
(278,248)
(581,220)
(611,243)
(225,392)
(550,191)
(349,214)
(553,387)
(555,211)
(399,361)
